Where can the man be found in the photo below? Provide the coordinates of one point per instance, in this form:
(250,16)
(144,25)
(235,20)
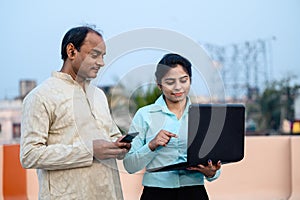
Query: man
(68,134)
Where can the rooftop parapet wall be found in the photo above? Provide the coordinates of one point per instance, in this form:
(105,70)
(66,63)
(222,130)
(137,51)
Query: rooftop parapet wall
(269,170)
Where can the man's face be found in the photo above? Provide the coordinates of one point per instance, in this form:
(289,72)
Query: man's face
(90,57)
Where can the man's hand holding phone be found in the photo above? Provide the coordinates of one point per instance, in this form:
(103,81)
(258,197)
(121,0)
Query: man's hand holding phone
(124,142)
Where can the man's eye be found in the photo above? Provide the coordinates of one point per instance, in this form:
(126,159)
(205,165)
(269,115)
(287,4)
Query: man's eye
(94,55)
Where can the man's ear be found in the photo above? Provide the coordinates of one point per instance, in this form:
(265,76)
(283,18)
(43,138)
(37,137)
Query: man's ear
(71,51)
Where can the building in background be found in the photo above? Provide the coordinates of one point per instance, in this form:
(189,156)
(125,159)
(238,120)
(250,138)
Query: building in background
(10,121)
(25,86)
(10,114)
(296,123)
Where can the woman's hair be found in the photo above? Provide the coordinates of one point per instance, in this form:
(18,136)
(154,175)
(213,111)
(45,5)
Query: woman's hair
(171,60)
(75,36)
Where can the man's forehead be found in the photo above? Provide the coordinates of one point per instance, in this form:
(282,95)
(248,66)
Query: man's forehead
(95,41)
(93,37)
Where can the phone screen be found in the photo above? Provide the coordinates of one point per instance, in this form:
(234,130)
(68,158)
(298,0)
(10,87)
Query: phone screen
(129,137)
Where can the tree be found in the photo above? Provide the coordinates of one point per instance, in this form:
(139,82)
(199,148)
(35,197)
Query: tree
(123,104)
(144,96)
(270,108)
(277,103)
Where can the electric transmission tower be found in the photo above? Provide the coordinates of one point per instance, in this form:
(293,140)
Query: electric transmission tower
(245,67)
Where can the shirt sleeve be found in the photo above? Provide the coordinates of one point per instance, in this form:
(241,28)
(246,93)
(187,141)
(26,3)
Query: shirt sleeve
(35,152)
(140,154)
(218,172)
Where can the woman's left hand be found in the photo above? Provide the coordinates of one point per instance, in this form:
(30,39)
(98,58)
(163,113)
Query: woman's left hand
(209,171)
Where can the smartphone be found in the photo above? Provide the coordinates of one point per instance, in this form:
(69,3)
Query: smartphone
(129,137)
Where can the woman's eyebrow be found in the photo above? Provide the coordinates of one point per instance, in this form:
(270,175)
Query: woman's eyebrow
(185,76)
(170,79)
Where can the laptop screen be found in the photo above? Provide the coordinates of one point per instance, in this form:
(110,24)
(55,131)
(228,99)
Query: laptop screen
(216,132)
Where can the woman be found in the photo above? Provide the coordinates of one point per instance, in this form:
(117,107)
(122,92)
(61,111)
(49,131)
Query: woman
(163,138)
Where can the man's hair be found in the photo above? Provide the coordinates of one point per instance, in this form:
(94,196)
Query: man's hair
(169,61)
(75,36)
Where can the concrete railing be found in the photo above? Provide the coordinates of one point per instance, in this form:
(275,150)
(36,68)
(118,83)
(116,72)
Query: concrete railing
(270,170)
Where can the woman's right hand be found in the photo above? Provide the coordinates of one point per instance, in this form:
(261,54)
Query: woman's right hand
(161,139)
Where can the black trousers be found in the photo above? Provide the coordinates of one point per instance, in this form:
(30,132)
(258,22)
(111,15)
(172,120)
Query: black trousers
(197,192)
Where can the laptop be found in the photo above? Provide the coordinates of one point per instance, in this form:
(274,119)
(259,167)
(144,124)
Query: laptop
(215,132)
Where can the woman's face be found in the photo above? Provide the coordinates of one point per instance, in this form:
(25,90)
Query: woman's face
(175,85)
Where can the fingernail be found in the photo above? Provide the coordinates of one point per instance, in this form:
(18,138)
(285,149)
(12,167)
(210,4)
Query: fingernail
(209,160)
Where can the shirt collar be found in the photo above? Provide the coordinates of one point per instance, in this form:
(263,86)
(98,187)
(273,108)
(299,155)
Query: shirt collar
(160,105)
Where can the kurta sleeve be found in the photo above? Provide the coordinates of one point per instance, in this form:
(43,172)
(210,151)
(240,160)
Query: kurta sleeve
(35,152)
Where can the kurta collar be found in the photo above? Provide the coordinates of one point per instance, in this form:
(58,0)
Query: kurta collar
(66,77)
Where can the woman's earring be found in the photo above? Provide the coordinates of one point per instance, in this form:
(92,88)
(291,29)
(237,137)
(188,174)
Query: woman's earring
(159,86)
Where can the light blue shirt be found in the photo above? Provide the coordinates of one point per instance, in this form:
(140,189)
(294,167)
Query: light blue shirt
(148,121)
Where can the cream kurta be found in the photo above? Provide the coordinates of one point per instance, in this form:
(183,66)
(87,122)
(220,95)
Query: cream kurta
(59,123)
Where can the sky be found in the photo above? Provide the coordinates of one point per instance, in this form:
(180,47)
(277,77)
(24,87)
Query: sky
(32,30)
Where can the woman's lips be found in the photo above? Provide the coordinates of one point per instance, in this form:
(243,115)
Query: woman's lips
(178,94)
